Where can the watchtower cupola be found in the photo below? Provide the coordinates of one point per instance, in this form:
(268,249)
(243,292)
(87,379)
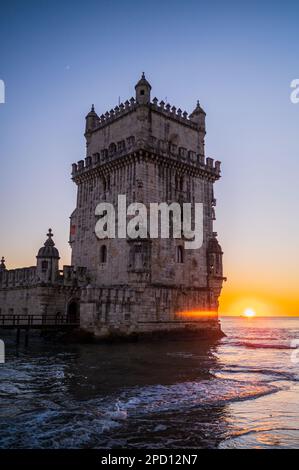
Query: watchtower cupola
(47,260)
(199,117)
(91,120)
(143,91)
(214,253)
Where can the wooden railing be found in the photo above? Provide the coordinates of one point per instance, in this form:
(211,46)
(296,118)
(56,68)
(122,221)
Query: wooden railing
(37,321)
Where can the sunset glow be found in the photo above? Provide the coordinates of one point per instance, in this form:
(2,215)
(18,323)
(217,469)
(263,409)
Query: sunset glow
(194,314)
(235,300)
(249,313)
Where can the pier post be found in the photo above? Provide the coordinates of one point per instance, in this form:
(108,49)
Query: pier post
(26,337)
(18,336)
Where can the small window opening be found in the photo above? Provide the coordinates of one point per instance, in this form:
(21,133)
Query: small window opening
(103,254)
(180,254)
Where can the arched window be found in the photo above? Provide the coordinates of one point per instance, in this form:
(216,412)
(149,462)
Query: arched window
(180,254)
(103,254)
(44,266)
(104,154)
(130,141)
(112,148)
(121,145)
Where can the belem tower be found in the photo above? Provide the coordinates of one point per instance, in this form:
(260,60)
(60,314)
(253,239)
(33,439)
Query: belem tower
(149,151)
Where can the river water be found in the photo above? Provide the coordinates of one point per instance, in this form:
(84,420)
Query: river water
(242,392)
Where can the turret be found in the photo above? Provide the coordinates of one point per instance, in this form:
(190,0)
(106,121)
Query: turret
(2,268)
(214,257)
(2,264)
(91,120)
(143,91)
(199,117)
(47,261)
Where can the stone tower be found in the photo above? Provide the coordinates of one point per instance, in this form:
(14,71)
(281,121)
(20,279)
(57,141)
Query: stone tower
(151,152)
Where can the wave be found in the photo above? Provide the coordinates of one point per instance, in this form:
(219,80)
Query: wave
(192,394)
(268,373)
(82,423)
(249,438)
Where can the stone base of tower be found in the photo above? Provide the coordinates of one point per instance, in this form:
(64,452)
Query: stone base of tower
(149,311)
(209,330)
(180,329)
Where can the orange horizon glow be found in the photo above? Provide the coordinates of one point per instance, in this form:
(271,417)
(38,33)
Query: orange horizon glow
(193,314)
(264,303)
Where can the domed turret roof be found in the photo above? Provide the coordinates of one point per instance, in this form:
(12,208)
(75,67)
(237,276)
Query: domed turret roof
(92,112)
(48,250)
(143,82)
(197,110)
(213,245)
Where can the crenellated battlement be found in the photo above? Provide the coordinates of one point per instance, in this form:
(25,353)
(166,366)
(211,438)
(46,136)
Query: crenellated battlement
(174,113)
(72,276)
(28,277)
(123,109)
(18,277)
(130,145)
(109,117)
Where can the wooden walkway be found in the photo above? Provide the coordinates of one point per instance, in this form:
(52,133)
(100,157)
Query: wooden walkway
(36,322)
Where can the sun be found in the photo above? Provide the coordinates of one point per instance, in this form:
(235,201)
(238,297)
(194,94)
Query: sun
(249,313)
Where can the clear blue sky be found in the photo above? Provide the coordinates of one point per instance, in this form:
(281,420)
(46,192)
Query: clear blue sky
(237,58)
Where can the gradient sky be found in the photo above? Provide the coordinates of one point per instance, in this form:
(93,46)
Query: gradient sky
(237,58)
